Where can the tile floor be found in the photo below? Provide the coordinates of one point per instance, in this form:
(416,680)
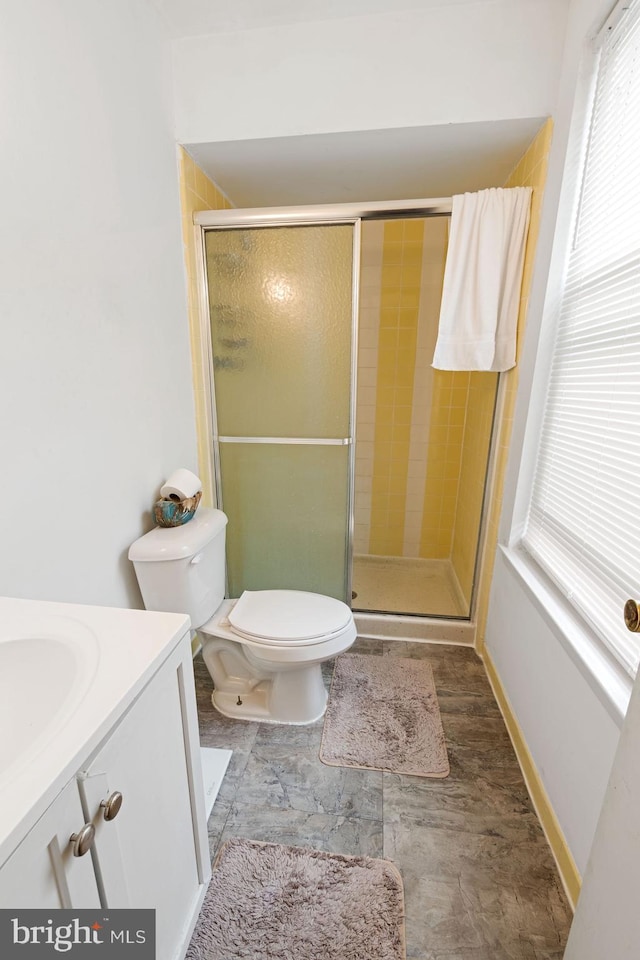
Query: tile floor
(407,585)
(480,882)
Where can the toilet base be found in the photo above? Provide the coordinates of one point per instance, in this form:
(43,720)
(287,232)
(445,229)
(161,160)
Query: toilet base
(255,706)
(269,684)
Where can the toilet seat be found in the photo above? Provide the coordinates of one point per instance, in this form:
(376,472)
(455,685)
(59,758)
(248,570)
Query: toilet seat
(288,618)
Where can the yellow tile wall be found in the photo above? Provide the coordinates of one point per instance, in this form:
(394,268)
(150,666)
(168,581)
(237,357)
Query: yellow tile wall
(530,171)
(197,192)
(444,455)
(474,455)
(397,338)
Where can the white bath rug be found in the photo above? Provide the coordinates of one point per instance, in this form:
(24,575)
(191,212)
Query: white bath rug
(266,900)
(383,714)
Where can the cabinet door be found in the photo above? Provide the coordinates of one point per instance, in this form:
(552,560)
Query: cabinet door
(43,871)
(147,856)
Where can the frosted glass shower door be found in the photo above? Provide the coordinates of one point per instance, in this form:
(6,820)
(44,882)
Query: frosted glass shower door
(281,303)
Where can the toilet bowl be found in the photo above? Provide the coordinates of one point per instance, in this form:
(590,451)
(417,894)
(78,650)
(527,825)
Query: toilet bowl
(265,650)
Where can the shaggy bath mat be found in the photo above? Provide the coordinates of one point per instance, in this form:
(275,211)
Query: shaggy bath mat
(266,900)
(383,714)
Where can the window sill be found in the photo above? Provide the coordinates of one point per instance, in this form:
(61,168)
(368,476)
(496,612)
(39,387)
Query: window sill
(606,677)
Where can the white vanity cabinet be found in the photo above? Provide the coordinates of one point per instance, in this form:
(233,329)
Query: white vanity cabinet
(151,850)
(43,872)
(149,855)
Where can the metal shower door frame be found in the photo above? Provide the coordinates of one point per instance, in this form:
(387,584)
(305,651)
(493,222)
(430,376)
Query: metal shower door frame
(244,220)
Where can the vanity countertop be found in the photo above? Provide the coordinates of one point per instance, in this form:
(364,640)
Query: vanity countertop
(67,673)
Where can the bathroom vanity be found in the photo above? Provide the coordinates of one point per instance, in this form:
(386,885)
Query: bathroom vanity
(101,797)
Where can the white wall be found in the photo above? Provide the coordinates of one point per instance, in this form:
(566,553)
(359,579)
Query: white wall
(445,64)
(572,736)
(570,733)
(95,375)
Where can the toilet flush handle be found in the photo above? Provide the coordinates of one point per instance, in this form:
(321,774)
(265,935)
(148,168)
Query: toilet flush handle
(197,558)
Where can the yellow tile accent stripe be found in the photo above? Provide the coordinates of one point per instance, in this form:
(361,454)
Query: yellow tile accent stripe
(569,873)
(397,339)
(444,453)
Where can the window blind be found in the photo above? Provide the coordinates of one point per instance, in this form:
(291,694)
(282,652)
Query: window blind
(583,525)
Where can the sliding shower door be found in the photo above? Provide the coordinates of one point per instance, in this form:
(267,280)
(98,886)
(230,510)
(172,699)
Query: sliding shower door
(282,303)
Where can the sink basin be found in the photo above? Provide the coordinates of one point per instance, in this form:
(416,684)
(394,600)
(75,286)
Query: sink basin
(46,669)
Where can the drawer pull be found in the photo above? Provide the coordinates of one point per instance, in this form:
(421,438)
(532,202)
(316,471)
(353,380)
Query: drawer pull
(82,841)
(112,805)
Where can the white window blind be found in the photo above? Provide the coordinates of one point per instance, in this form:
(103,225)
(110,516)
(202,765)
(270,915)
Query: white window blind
(583,526)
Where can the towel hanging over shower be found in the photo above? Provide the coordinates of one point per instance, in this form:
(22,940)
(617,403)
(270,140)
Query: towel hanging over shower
(482,280)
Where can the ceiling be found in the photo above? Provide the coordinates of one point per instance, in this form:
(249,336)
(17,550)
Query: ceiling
(366,165)
(187,18)
(400,164)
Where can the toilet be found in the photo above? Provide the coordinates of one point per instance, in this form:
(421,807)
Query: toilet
(265,650)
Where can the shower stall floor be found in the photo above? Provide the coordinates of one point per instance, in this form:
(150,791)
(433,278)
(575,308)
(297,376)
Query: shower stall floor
(407,585)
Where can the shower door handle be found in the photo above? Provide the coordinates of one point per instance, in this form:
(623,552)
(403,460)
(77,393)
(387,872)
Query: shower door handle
(318,441)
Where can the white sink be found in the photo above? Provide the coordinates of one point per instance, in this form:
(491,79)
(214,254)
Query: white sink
(67,673)
(47,665)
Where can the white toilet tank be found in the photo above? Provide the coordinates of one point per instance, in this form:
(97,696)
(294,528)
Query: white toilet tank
(182,569)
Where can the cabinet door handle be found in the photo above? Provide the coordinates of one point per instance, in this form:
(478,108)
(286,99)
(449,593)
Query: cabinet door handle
(82,841)
(111,805)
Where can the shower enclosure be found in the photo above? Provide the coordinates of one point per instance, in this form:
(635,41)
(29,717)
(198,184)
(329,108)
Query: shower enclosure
(346,464)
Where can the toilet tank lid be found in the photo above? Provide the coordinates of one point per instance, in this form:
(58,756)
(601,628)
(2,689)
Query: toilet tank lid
(176,543)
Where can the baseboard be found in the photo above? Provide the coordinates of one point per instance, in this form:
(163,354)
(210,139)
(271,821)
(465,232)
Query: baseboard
(388,626)
(569,873)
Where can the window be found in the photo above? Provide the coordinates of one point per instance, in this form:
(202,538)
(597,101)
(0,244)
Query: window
(583,525)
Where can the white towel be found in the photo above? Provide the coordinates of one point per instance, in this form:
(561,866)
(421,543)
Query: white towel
(482,280)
